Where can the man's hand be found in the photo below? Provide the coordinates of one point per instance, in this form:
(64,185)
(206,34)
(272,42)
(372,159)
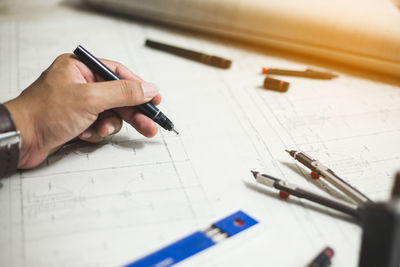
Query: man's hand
(66,102)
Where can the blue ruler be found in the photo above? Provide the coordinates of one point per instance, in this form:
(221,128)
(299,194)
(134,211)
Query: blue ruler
(197,242)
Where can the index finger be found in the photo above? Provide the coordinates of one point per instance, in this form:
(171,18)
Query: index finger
(123,72)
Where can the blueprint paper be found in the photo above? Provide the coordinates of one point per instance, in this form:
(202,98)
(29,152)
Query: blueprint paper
(111,203)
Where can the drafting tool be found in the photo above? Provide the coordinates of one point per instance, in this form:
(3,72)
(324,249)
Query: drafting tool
(302,193)
(308,73)
(329,176)
(323,259)
(211,60)
(198,241)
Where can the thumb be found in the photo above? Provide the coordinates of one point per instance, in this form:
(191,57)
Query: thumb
(112,94)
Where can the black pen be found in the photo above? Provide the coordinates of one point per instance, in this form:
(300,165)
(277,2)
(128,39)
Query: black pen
(302,193)
(329,176)
(99,68)
(211,60)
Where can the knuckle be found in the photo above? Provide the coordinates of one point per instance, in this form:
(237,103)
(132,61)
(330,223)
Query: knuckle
(116,64)
(43,75)
(129,90)
(120,68)
(89,96)
(64,57)
(118,127)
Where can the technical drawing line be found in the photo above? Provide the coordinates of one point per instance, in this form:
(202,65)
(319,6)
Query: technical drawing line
(102,169)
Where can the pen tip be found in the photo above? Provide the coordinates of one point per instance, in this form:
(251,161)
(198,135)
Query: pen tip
(287,151)
(254,174)
(175,131)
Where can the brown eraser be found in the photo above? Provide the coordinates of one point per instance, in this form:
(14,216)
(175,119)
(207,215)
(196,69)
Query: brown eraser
(275,84)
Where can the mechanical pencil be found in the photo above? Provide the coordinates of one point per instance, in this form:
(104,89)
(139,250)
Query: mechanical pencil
(329,176)
(291,189)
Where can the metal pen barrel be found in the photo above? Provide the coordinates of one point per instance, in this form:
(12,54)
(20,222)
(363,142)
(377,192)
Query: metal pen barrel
(330,176)
(339,183)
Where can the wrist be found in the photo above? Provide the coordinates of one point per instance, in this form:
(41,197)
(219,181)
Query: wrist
(22,124)
(9,143)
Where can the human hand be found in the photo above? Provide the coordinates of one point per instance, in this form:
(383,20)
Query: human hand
(66,102)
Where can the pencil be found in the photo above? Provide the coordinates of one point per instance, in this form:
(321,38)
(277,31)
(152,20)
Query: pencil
(211,60)
(308,73)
